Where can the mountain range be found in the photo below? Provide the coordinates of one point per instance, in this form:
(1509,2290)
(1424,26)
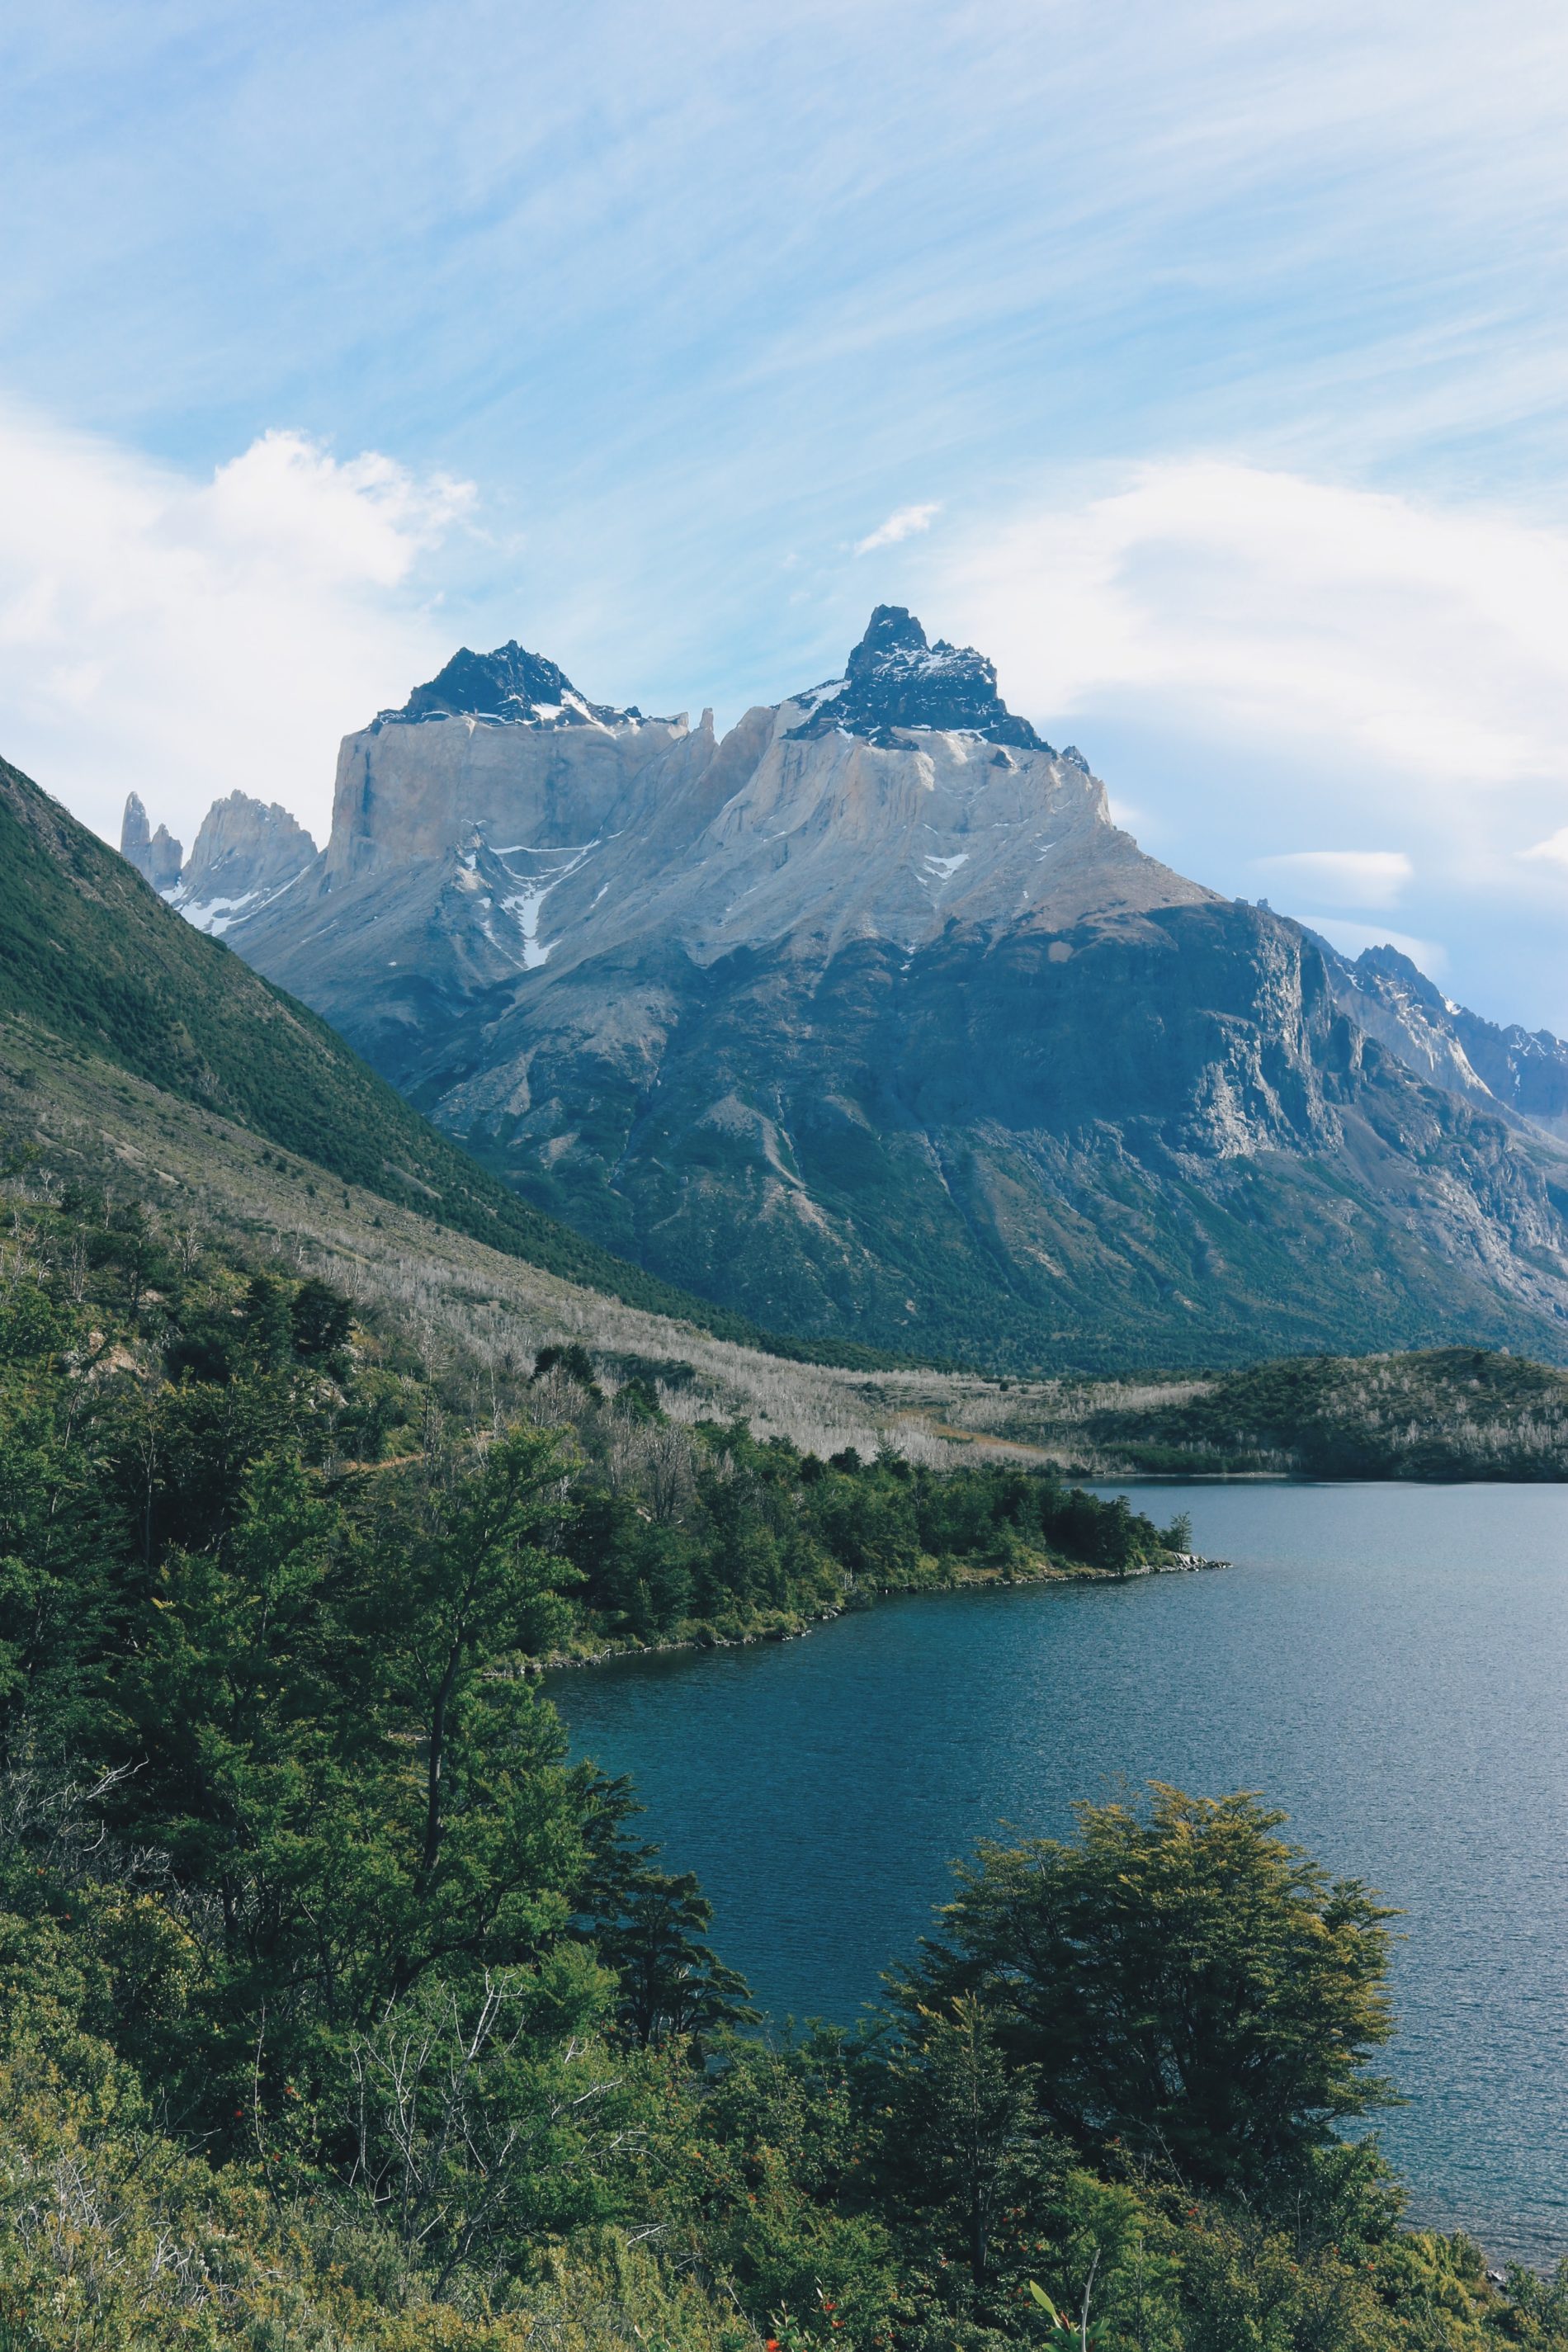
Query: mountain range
(865,1021)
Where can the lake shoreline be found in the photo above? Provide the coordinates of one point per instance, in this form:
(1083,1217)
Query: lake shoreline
(796,1628)
(1385,1665)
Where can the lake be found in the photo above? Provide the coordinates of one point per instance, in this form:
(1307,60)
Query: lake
(1386,1663)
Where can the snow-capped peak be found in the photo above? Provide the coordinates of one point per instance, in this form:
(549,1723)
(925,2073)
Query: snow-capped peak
(896,680)
(508,687)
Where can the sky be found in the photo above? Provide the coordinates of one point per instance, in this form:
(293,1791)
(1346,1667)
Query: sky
(1205,364)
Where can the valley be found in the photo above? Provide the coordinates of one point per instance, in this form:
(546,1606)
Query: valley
(784,1179)
(319,1444)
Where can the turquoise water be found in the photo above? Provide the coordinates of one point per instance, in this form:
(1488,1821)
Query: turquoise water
(1386,1663)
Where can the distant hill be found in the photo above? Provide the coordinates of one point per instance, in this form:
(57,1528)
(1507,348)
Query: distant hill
(90,957)
(1434,1414)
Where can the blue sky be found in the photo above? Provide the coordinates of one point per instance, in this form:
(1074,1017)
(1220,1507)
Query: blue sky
(1204,363)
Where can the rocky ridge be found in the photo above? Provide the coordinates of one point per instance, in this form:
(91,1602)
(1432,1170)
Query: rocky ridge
(867,1019)
(246,852)
(1520,1074)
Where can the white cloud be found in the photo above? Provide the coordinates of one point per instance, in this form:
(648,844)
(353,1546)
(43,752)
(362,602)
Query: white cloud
(1349,877)
(1552,851)
(1256,658)
(904,524)
(1352,937)
(1266,607)
(178,637)
(361,521)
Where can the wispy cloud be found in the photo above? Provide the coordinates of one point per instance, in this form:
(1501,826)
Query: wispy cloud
(1245,652)
(1552,851)
(905,522)
(1432,640)
(180,636)
(1347,878)
(746,272)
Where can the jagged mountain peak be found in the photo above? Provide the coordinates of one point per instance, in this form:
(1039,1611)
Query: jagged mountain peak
(897,680)
(246,852)
(508,687)
(1387,963)
(892,630)
(157,857)
(1521,1073)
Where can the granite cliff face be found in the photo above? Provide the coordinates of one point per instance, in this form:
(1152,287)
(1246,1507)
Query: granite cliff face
(481,834)
(867,1019)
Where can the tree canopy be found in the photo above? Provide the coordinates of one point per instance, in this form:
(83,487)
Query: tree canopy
(1178,1981)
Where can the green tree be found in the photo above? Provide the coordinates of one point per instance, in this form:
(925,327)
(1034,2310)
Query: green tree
(672,1983)
(485,2115)
(573,1360)
(318,1319)
(267,1328)
(962,2137)
(459,1581)
(61,1549)
(1181,1980)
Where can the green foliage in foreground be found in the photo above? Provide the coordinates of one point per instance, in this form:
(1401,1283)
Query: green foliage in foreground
(342,2012)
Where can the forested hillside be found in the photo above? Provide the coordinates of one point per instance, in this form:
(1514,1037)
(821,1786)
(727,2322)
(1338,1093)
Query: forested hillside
(344,2012)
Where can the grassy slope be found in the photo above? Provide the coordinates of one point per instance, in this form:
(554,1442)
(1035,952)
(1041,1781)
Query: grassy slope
(90,956)
(88,1120)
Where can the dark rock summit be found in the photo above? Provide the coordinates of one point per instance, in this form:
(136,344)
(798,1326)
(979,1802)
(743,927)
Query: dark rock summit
(895,681)
(511,687)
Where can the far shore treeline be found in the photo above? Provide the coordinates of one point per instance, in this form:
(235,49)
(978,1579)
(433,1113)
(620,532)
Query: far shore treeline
(341,2010)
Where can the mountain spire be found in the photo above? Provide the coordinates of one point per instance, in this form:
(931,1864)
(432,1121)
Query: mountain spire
(157,857)
(897,680)
(511,687)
